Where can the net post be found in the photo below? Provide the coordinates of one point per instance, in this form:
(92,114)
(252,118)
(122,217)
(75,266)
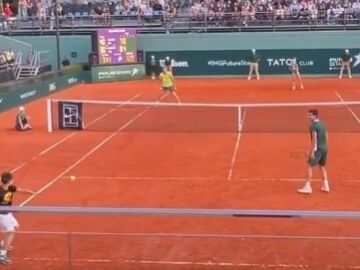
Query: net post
(49,115)
(239,119)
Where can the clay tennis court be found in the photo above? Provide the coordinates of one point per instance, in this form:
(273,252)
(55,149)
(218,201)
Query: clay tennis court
(155,166)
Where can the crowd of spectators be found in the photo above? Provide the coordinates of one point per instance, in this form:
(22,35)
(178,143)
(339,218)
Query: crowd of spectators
(260,11)
(99,12)
(237,11)
(7,58)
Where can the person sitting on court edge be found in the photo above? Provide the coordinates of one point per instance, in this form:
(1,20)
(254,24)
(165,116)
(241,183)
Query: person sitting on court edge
(22,121)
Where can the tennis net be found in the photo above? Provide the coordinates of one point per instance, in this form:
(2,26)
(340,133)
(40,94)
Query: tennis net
(198,117)
(72,238)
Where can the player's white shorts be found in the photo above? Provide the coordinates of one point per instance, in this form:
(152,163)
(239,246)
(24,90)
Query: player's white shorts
(8,222)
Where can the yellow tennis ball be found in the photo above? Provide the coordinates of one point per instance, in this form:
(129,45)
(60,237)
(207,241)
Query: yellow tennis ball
(72,178)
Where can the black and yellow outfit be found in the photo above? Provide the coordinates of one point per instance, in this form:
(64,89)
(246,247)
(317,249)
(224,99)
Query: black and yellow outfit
(167,80)
(8,223)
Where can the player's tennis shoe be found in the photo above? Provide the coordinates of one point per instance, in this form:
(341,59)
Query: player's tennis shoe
(5,259)
(306,189)
(325,187)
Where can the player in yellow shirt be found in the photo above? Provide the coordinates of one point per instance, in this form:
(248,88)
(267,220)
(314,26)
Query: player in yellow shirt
(168,84)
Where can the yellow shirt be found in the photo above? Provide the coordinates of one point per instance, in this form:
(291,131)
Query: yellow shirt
(167,79)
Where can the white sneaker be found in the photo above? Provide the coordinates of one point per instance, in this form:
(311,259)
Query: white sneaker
(325,187)
(249,78)
(350,77)
(305,190)
(340,77)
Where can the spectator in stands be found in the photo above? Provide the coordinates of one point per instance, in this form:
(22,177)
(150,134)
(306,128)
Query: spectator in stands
(356,9)
(41,13)
(3,60)
(3,21)
(148,12)
(313,11)
(52,19)
(105,10)
(9,56)
(7,11)
(31,8)
(22,122)
(60,12)
(12,55)
(279,12)
(22,9)
(65,62)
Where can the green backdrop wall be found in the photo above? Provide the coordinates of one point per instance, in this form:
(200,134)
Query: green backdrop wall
(77,47)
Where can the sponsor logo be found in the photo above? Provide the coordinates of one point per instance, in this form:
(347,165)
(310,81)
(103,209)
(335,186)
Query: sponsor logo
(72,80)
(52,86)
(357,60)
(306,63)
(280,62)
(28,94)
(225,63)
(334,63)
(115,73)
(175,63)
(71,116)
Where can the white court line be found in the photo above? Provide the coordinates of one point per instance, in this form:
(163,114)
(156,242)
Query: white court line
(90,124)
(19,167)
(141,178)
(198,235)
(171,178)
(348,107)
(236,148)
(51,147)
(103,142)
(208,263)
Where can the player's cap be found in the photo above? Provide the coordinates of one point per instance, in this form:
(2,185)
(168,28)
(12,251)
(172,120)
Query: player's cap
(253,50)
(347,51)
(21,109)
(153,56)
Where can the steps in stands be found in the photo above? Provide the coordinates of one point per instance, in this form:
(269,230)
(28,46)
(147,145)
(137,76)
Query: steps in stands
(28,71)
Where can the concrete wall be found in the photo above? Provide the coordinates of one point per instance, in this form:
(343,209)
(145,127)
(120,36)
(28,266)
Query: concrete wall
(69,45)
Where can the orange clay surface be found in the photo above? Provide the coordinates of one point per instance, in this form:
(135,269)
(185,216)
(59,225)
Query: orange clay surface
(187,169)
